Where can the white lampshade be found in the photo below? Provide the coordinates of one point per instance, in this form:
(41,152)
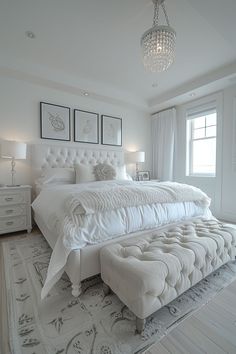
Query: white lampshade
(136,157)
(13,149)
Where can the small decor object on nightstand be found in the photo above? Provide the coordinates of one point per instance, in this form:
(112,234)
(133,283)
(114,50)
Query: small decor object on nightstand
(143,176)
(111,131)
(15,209)
(54,121)
(15,151)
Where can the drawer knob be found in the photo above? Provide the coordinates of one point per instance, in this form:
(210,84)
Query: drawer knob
(10,211)
(9,223)
(8,199)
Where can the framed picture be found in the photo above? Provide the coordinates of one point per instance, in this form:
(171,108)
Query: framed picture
(111,131)
(143,176)
(86,127)
(54,121)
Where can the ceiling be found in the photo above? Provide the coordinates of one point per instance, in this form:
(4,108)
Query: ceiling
(95,45)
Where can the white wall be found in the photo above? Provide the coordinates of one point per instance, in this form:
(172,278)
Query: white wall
(20,120)
(222,188)
(228,200)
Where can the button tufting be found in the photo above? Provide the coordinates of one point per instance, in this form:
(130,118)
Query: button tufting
(174,263)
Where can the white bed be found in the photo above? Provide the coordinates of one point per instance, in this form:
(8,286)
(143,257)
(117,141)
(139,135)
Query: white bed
(81,263)
(84,262)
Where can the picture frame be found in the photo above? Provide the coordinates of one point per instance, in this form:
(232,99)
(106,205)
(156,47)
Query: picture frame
(86,127)
(54,122)
(111,130)
(143,175)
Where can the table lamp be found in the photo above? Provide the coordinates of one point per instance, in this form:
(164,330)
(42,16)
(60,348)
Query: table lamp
(136,157)
(15,151)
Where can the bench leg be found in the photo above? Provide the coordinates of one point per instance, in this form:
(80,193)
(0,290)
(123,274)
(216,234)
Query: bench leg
(140,325)
(76,289)
(106,289)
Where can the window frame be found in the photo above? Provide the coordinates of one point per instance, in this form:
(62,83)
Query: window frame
(190,139)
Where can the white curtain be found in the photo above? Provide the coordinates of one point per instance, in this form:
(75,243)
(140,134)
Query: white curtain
(163,141)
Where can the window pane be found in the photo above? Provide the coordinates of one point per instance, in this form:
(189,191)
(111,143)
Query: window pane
(211,131)
(199,133)
(199,122)
(204,156)
(211,119)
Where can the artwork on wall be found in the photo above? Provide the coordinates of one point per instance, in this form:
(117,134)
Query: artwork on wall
(86,127)
(54,121)
(111,131)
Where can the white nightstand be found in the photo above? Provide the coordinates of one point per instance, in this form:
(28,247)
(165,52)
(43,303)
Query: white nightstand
(15,209)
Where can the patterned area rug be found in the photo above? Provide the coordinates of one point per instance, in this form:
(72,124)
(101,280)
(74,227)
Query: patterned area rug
(92,323)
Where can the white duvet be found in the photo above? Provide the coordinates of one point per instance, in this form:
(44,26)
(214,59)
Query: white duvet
(77,229)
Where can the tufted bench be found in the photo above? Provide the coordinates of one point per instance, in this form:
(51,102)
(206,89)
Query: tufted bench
(149,271)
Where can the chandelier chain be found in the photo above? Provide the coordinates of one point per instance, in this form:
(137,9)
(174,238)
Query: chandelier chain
(165,13)
(156,14)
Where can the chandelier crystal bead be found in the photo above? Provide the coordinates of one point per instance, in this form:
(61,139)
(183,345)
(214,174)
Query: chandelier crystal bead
(158,43)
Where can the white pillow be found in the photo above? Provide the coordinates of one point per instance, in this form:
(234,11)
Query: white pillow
(121,173)
(58,174)
(55,176)
(128,177)
(84,173)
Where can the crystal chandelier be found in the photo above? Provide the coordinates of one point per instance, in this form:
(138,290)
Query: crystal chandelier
(158,43)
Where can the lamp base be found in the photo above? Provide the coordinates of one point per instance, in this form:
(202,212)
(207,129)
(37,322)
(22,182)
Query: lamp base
(158,1)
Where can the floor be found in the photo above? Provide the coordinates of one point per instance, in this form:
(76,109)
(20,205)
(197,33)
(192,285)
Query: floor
(210,330)
(4,347)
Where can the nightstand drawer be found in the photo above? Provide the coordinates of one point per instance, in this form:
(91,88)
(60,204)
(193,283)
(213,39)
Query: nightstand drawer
(8,224)
(13,210)
(12,198)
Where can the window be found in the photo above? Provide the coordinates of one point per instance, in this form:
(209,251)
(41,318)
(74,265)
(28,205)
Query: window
(201,140)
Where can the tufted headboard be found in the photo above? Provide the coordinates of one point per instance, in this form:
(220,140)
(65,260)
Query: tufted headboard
(43,156)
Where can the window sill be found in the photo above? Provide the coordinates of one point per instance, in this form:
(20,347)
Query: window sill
(201,176)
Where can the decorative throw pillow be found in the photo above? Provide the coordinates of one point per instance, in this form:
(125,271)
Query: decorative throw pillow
(103,172)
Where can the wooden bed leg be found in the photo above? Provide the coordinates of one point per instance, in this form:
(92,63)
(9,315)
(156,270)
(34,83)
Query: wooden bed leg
(76,289)
(140,325)
(106,289)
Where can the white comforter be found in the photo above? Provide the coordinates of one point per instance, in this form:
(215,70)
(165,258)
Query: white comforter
(62,210)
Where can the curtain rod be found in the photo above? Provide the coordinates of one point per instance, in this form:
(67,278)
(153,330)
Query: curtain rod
(163,110)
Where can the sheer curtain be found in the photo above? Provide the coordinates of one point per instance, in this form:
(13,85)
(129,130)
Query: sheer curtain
(163,141)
